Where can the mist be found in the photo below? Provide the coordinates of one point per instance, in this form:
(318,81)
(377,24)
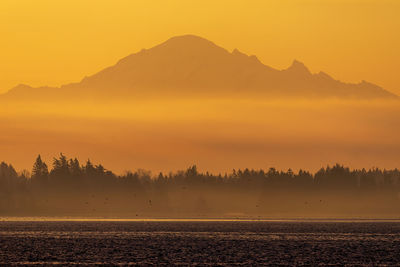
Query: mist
(215,134)
(70,188)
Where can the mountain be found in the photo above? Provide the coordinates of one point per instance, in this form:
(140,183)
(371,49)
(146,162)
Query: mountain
(193,66)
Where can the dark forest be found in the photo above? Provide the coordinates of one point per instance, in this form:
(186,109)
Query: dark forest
(89,190)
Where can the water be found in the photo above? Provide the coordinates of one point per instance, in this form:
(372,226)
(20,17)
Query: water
(366,243)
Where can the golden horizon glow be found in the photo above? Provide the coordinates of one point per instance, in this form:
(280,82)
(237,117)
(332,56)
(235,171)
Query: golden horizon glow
(52,43)
(48,42)
(158,136)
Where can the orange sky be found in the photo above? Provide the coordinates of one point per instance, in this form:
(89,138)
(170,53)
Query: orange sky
(47,42)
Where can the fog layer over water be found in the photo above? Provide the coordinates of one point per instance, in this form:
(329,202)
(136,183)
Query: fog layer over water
(215,134)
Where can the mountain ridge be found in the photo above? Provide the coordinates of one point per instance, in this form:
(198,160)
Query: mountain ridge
(194,66)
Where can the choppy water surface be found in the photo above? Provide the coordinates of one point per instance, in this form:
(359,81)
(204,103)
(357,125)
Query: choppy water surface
(200,242)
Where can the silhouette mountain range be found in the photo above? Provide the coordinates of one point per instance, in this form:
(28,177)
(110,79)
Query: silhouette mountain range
(193,66)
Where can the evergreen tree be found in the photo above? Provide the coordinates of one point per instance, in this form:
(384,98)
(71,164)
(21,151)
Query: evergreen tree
(40,171)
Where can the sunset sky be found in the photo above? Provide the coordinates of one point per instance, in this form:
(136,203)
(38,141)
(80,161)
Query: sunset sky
(149,131)
(47,42)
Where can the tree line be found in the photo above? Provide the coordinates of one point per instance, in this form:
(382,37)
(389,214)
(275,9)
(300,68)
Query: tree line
(71,188)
